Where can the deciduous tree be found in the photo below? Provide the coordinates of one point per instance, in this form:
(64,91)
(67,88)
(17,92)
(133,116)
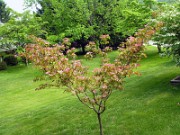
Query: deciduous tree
(93,89)
(169,36)
(17,29)
(85,20)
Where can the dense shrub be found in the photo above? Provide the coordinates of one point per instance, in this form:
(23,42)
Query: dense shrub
(11,60)
(3,65)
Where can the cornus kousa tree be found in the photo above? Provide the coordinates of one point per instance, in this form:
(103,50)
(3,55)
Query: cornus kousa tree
(91,89)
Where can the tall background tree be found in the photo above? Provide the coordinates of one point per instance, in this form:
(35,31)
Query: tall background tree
(85,20)
(19,27)
(4,12)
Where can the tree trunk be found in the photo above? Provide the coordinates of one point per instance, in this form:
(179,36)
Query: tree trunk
(1,59)
(100,123)
(159,48)
(83,49)
(27,62)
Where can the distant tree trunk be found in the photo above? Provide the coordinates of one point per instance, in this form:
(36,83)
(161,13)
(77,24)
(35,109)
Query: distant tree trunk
(83,49)
(1,59)
(159,48)
(83,43)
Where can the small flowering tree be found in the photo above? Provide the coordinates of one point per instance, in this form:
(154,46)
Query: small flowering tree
(91,89)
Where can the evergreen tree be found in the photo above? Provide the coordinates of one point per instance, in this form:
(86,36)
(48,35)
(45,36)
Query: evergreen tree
(4,12)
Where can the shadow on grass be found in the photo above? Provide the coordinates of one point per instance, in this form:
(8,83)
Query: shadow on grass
(169,63)
(17,68)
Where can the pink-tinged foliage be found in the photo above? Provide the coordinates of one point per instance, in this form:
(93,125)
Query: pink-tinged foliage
(98,86)
(104,39)
(92,89)
(66,43)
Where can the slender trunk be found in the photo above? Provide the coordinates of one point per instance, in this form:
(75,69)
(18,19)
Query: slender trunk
(100,123)
(26,61)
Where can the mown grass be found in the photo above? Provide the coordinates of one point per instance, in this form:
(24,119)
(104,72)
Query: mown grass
(146,106)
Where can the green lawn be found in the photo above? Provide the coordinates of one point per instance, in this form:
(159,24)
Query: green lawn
(147,106)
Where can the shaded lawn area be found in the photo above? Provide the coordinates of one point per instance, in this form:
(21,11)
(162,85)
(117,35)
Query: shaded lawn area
(146,106)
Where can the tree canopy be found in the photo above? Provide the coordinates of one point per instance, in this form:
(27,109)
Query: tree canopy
(19,26)
(88,19)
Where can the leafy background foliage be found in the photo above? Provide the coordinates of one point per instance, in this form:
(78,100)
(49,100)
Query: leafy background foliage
(169,36)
